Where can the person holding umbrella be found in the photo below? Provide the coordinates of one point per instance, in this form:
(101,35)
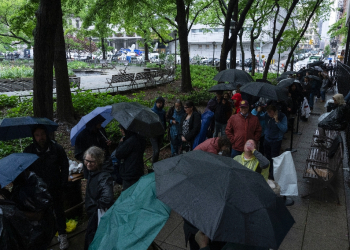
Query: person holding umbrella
(93,135)
(53,167)
(174,117)
(158,140)
(130,152)
(241,127)
(99,190)
(276,126)
(190,126)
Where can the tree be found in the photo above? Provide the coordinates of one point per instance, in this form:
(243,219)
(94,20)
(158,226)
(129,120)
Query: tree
(339,28)
(79,45)
(327,51)
(289,7)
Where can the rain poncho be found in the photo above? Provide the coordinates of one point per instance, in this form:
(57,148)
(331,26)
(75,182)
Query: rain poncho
(305,109)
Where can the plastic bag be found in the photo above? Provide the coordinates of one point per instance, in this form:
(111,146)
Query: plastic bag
(74,167)
(285,174)
(336,120)
(71,225)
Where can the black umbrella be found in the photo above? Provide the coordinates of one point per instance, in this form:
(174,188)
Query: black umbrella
(314,77)
(282,77)
(265,90)
(233,75)
(318,63)
(21,127)
(222,87)
(289,73)
(225,200)
(286,82)
(137,118)
(318,68)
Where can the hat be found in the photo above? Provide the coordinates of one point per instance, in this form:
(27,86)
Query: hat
(244,103)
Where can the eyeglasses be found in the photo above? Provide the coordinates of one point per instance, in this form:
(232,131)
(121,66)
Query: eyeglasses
(89,162)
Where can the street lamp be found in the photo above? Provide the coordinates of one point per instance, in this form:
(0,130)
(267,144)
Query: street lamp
(90,48)
(214,44)
(175,34)
(232,28)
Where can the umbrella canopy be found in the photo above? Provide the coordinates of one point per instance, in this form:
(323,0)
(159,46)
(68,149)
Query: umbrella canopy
(265,90)
(225,200)
(103,114)
(221,87)
(14,164)
(318,68)
(314,77)
(287,82)
(21,127)
(289,73)
(137,118)
(282,77)
(232,76)
(134,220)
(318,63)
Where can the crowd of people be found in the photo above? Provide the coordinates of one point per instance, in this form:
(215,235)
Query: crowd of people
(246,128)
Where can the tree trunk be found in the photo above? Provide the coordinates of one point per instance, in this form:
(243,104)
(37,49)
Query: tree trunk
(65,110)
(233,64)
(292,64)
(103,48)
(252,50)
(44,41)
(278,37)
(242,49)
(146,52)
(186,84)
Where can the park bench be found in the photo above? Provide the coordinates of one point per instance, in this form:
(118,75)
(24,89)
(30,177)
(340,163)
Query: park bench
(119,79)
(143,78)
(324,138)
(324,160)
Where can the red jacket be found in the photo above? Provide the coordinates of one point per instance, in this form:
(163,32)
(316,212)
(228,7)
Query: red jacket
(238,99)
(240,129)
(209,145)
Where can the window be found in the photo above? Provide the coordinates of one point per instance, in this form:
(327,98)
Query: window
(194,31)
(77,23)
(199,46)
(200,31)
(216,30)
(207,46)
(220,30)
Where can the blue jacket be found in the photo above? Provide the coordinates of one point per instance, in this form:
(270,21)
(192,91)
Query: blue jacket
(275,131)
(261,117)
(159,111)
(175,128)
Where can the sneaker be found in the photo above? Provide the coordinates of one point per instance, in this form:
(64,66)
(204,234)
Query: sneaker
(63,240)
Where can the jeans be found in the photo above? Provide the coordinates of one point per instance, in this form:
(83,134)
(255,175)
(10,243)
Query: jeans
(219,127)
(235,153)
(175,145)
(272,149)
(323,95)
(311,100)
(156,142)
(59,212)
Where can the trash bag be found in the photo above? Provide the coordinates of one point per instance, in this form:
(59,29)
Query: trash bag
(336,120)
(285,174)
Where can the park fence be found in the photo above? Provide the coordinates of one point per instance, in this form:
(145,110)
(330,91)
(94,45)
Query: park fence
(342,76)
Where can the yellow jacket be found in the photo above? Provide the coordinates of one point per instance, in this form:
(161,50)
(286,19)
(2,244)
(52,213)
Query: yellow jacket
(253,164)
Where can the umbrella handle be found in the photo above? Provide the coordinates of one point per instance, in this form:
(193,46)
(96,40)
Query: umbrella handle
(103,135)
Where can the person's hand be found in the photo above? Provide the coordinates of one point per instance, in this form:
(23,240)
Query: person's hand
(174,121)
(201,239)
(258,109)
(122,139)
(250,146)
(109,142)
(289,109)
(183,138)
(276,116)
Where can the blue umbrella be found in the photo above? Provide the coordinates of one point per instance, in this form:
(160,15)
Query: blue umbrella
(134,220)
(11,166)
(21,127)
(105,112)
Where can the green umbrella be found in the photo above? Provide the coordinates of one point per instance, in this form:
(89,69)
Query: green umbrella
(134,220)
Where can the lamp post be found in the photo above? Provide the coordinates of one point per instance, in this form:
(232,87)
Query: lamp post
(175,34)
(90,48)
(232,28)
(214,44)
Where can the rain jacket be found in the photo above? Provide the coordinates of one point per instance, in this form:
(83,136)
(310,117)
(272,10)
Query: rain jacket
(177,116)
(238,99)
(274,131)
(240,129)
(222,111)
(52,166)
(159,111)
(195,126)
(99,192)
(209,145)
(261,116)
(130,153)
(258,163)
